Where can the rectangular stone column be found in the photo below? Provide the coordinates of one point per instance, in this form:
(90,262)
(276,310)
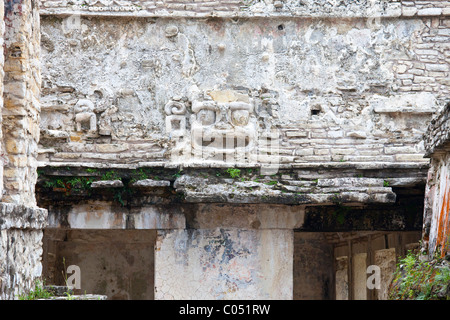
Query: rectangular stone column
(20,248)
(224,264)
(436,219)
(21,110)
(21,222)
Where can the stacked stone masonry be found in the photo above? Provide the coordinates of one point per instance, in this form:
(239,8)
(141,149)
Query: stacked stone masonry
(254,8)
(331,112)
(361,92)
(21,222)
(21,110)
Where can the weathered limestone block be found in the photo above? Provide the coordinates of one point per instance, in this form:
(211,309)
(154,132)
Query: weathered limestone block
(350,182)
(21,263)
(21,93)
(107,184)
(407,103)
(324,191)
(14,216)
(150,183)
(20,248)
(224,264)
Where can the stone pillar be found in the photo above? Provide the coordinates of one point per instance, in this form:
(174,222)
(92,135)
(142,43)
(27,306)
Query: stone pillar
(21,222)
(228,252)
(436,226)
(21,100)
(2,62)
(20,248)
(224,264)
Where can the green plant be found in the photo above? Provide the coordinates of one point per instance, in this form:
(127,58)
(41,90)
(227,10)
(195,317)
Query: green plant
(385,183)
(139,174)
(79,183)
(419,279)
(54,183)
(64,273)
(178,174)
(336,198)
(37,293)
(234,173)
(111,175)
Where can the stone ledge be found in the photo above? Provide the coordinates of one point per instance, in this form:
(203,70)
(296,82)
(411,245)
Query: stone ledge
(373,165)
(228,15)
(150,183)
(13,216)
(107,184)
(279,9)
(322,191)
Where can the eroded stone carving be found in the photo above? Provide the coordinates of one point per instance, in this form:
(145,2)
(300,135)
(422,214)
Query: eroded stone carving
(175,118)
(105,128)
(84,112)
(223,131)
(223,126)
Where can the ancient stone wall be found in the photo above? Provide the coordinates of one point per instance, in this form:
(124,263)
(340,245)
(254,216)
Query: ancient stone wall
(20,248)
(151,102)
(313,267)
(21,221)
(436,228)
(21,101)
(361,91)
(252,8)
(117,263)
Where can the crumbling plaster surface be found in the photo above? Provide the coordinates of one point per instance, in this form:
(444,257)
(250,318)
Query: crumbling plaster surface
(224,264)
(436,220)
(436,228)
(373,88)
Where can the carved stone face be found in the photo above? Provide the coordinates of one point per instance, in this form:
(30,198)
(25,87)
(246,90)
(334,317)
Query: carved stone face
(206,117)
(240,117)
(222,130)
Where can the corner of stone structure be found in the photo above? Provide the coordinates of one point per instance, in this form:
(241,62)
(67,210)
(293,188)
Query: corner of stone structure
(436,220)
(21,221)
